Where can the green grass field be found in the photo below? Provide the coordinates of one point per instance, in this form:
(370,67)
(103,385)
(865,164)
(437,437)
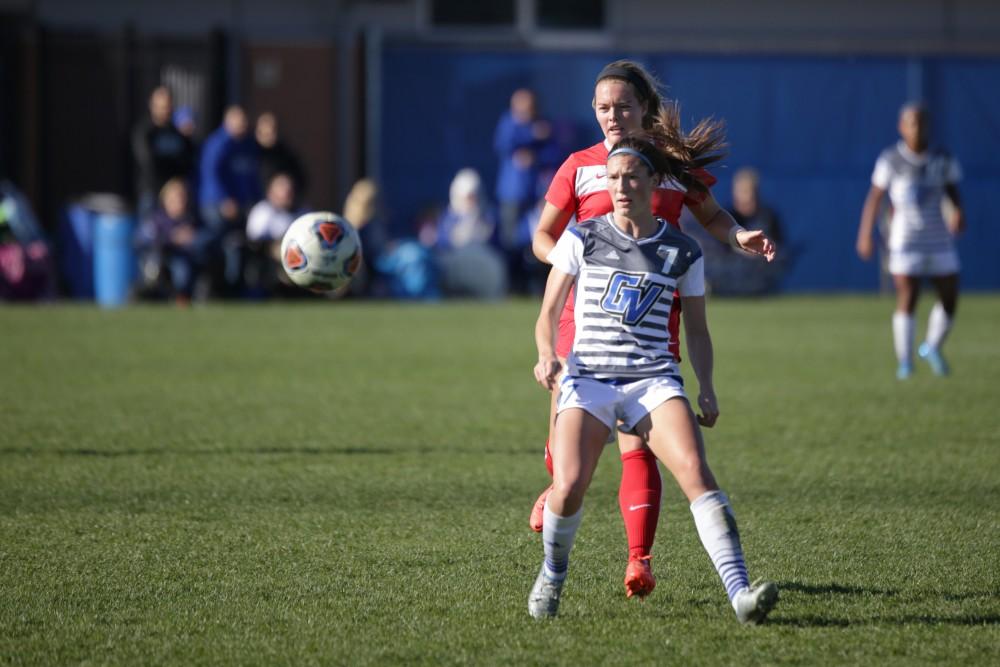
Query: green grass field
(349,484)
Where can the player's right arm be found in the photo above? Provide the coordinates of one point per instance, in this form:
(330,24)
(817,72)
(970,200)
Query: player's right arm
(551,225)
(556,291)
(865,245)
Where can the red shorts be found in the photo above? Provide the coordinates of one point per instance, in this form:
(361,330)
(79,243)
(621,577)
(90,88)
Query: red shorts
(567,328)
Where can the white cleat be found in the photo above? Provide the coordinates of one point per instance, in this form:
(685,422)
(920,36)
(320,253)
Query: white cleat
(753,604)
(543,601)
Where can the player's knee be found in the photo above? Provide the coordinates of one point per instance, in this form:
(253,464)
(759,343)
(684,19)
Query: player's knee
(691,467)
(569,490)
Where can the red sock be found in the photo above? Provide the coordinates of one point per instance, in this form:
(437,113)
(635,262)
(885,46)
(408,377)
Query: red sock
(548,459)
(639,500)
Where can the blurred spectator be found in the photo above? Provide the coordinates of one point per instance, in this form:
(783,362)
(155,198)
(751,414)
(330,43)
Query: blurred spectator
(747,208)
(410,271)
(730,272)
(468,219)
(167,243)
(186,123)
(363,209)
(526,148)
(275,155)
(161,152)
(230,162)
(470,264)
(533,273)
(228,186)
(26,267)
(407,266)
(267,223)
(426,224)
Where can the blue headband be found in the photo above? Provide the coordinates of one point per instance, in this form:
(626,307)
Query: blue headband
(632,151)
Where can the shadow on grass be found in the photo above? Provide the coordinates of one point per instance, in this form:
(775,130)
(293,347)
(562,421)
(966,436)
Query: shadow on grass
(970,620)
(263,451)
(809,622)
(958,619)
(833,589)
(161,451)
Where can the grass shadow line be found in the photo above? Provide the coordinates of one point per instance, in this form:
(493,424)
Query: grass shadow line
(165,451)
(958,619)
(833,589)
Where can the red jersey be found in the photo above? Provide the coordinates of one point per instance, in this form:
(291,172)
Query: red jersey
(580,186)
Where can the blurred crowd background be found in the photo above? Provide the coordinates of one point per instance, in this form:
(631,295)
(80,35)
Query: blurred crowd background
(159,150)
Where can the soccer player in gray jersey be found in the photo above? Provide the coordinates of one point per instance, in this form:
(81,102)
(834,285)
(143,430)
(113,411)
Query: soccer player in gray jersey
(917,179)
(626,267)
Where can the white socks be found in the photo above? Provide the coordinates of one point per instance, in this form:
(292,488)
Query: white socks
(717,529)
(902,336)
(558,534)
(713,518)
(938,326)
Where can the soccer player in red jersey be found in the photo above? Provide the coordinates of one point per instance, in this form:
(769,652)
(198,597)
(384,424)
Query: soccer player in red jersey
(627,102)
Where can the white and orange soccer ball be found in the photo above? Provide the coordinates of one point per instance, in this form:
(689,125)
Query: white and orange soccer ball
(321,251)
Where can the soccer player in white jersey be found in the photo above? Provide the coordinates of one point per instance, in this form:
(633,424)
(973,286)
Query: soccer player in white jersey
(917,178)
(625,267)
(627,102)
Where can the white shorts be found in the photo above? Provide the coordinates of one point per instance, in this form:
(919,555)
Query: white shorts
(911,263)
(611,403)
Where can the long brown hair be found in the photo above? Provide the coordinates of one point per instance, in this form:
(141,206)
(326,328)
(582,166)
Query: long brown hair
(656,159)
(703,145)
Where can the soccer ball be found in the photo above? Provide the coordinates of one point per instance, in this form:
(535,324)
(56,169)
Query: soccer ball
(321,251)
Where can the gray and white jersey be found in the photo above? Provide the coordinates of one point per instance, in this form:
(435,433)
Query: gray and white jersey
(916,187)
(624,291)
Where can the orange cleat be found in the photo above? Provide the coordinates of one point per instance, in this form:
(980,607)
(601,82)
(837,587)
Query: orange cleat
(538,511)
(639,579)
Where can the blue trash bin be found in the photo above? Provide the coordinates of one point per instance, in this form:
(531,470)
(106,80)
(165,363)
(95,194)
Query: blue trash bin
(95,249)
(114,258)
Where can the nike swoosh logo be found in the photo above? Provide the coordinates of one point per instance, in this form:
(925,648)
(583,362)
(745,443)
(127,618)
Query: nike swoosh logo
(632,508)
(600,175)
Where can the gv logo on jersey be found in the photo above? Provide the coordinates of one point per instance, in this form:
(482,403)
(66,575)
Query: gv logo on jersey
(626,298)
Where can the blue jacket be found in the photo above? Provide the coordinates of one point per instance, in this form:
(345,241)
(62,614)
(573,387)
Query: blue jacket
(229,168)
(515,183)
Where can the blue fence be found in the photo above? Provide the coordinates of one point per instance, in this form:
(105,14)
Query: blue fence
(812,126)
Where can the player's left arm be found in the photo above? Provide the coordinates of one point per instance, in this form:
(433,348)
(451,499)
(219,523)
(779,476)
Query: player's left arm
(701,357)
(956,223)
(720,224)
